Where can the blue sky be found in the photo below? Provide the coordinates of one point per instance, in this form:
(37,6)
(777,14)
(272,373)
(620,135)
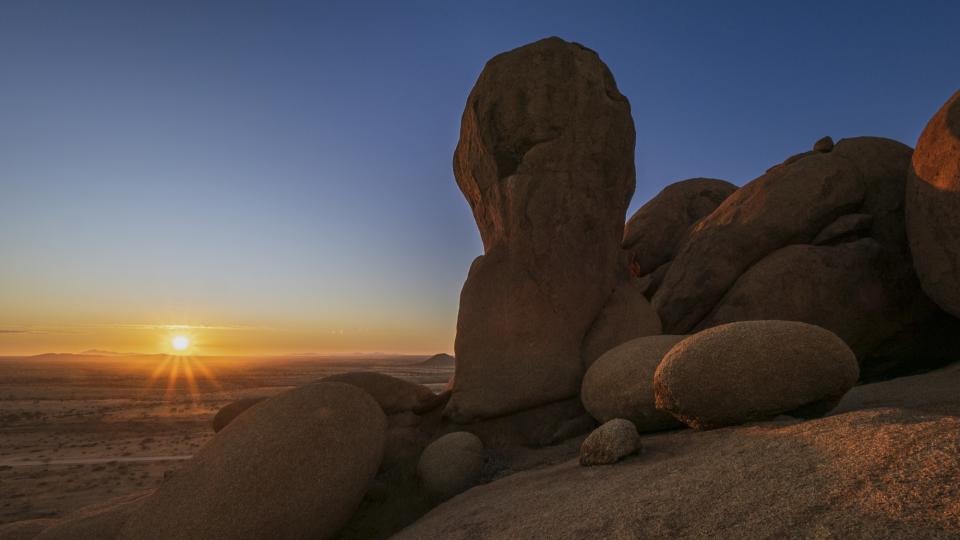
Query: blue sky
(284,167)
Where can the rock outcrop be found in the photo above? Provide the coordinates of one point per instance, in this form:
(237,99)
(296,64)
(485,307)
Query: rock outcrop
(545,160)
(294,466)
(933,207)
(394,395)
(620,384)
(451,464)
(655,231)
(819,239)
(610,443)
(754,370)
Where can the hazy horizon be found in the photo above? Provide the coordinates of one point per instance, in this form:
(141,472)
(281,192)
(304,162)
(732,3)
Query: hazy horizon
(274,181)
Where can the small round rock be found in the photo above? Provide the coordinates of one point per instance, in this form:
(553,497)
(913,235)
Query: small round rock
(610,443)
(823,145)
(451,464)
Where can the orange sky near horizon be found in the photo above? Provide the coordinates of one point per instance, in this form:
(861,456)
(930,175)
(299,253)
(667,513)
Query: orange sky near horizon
(224,340)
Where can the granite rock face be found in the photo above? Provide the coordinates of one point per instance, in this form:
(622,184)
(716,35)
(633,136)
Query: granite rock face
(545,160)
(655,231)
(933,207)
(818,239)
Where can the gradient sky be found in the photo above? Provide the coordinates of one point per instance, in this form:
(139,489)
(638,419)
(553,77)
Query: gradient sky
(278,174)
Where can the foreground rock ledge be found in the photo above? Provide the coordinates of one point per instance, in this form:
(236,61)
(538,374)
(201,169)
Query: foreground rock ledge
(871,474)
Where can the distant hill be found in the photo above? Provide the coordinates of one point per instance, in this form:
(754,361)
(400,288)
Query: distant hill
(439,360)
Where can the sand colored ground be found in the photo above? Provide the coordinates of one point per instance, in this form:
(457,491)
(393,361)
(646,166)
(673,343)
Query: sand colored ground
(80,430)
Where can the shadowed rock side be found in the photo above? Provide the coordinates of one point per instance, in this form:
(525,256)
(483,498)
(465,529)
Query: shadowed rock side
(295,466)
(755,257)
(545,159)
(655,231)
(626,315)
(933,204)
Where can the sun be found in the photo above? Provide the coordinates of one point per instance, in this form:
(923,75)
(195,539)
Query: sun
(180,343)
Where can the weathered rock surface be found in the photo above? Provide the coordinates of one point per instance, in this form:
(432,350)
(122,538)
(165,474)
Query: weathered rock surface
(933,207)
(610,443)
(294,466)
(232,410)
(655,231)
(394,395)
(754,370)
(620,384)
(626,315)
(451,464)
(790,244)
(545,160)
(873,474)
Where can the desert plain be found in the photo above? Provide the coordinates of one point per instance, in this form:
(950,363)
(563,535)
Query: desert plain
(78,429)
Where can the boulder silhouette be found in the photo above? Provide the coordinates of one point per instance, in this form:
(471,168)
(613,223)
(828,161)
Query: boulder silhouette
(451,464)
(294,466)
(933,207)
(610,443)
(620,384)
(394,395)
(546,162)
(228,412)
(754,370)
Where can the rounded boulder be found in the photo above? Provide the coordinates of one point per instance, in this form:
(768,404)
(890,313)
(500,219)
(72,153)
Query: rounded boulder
(295,466)
(451,464)
(610,443)
(933,207)
(754,370)
(620,384)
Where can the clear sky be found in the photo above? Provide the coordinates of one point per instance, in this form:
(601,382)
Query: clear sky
(277,174)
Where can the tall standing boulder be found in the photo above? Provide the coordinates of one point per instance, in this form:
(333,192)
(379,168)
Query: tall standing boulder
(933,207)
(545,160)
